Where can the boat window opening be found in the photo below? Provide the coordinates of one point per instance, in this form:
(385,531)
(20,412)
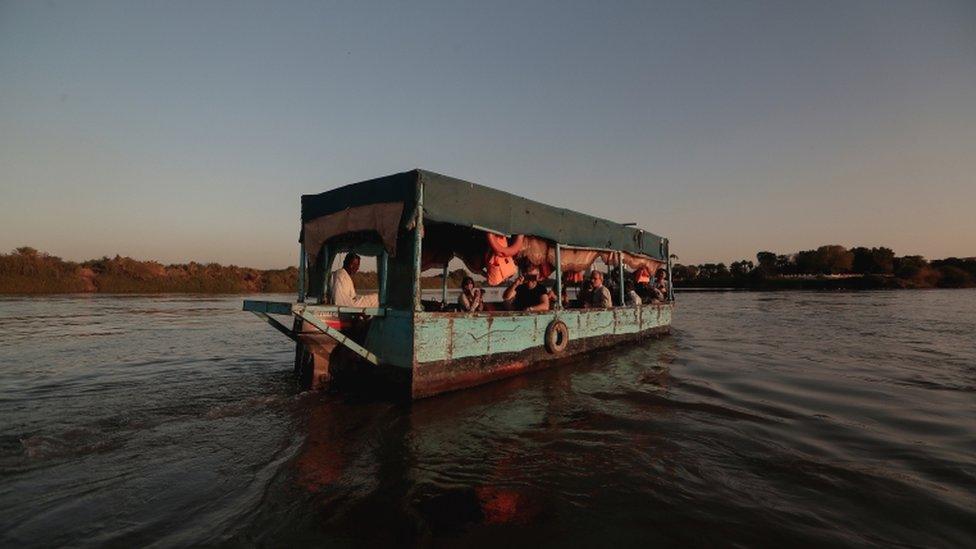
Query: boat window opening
(492,260)
(367,280)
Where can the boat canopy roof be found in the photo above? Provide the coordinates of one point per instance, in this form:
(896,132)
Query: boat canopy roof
(390,202)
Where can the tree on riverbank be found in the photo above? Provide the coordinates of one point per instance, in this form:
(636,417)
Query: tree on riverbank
(832,266)
(28,271)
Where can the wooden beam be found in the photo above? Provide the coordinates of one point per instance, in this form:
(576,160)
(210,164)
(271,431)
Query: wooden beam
(382,268)
(418,236)
(299,308)
(559,279)
(269,307)
(301,273)
(277,325)
(340,338)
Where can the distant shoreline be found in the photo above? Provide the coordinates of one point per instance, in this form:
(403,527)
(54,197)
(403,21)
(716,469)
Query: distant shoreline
(865,282)
(27,271)
(830,267)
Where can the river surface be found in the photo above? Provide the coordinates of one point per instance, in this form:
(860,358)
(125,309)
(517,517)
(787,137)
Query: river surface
(766,419)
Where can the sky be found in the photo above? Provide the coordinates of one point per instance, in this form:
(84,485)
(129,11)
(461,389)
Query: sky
(182,131)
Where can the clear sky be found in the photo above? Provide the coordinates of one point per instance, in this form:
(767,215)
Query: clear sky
(187,130)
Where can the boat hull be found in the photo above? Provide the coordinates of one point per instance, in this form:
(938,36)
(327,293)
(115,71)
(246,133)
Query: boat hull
(433,378)
(457,350)
(429,353)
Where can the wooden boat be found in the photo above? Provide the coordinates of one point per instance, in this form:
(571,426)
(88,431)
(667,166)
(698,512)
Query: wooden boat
(418,220)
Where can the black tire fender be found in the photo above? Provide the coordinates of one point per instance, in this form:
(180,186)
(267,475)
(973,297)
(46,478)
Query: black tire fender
(557,336)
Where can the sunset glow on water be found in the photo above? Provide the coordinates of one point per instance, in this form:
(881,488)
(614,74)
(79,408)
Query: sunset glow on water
(766,418)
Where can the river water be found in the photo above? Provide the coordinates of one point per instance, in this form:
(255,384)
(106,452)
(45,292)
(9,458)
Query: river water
(842,419)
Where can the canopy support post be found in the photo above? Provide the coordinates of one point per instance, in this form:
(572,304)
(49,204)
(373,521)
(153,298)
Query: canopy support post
(444,286)
(620,268)
(301,273)
(559,280)
(667,253)
(418,237)
(381,267)
(326,274)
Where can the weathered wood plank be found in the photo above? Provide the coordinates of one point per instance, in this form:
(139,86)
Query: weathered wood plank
(269,307)
(340,338)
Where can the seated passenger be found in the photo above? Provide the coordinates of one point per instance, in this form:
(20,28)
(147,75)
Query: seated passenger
(599,297)
(642,283)
(527,293)
(583,294)
(553,299)
(610,281)
(630,296)
(659,288)
(643,290)
(344,291)
(471,298)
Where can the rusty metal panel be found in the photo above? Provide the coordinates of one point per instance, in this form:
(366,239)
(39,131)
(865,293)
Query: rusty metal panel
(625,320)
(440,337)
(596,323)
(469,336)
(648,316)
(431,337)
(391,338)
(512,334)
(664,319)
(655,315)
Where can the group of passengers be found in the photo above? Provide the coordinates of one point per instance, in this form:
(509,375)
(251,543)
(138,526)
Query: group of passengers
(526,293)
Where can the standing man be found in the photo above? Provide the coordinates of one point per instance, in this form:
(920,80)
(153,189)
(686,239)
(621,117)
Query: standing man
(599,297)
(526,293)
(344,291)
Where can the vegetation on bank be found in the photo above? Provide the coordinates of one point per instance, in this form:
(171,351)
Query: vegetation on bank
(28,271)
(831,267)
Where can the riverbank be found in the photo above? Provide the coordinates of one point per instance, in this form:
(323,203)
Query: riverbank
(830,267)
(27,271)
(866,282)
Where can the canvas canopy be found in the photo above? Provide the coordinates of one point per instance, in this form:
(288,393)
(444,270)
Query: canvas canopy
(387,204)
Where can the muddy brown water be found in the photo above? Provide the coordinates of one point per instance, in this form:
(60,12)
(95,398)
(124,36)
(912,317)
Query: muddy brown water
(841,418)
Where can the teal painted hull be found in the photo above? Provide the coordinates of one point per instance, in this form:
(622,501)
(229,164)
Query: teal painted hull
(449,351)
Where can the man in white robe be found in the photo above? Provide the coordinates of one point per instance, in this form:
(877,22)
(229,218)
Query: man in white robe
(344,291)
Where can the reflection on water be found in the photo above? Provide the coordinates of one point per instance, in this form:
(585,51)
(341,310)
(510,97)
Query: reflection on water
(767,418)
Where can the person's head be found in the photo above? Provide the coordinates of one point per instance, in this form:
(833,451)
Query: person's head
(351,263)
(531,277)
(596,279)
(467,284)
(629,286)
(660,274)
